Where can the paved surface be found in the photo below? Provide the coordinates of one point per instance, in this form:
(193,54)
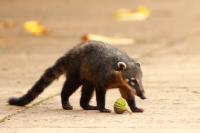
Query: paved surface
(167,44)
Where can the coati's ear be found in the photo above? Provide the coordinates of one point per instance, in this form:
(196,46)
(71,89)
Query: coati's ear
(121,66)
(138,64)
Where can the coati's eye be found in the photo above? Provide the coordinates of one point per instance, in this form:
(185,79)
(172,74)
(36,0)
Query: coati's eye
(131,81)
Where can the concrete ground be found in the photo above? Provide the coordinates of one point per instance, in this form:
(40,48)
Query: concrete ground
(167,45)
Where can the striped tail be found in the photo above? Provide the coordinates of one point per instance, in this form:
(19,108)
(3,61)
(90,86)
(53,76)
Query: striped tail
(45,80)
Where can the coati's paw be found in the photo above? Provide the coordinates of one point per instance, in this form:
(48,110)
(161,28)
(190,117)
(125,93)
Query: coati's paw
(105,110)
(138,110)
(90,107)
(67,107)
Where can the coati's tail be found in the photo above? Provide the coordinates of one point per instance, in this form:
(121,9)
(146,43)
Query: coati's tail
(45,80)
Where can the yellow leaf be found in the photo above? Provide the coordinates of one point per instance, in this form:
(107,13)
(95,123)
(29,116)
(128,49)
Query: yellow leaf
(35,28)
(139,14)
(112,40)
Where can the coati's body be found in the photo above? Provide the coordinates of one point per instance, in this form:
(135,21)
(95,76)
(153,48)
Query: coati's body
(96,66)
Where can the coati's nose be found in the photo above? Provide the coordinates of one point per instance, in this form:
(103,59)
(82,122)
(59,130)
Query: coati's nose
(142,95)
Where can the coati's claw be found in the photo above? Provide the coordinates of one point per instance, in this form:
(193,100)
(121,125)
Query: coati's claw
(90,107)
(67,107)
(105,110)
(138,110)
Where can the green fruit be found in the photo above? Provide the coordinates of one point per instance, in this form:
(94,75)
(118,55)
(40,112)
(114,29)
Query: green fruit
(120,106)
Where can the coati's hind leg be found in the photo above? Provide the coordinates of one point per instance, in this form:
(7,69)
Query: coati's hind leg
(86,95)
(100,97)
(70,86)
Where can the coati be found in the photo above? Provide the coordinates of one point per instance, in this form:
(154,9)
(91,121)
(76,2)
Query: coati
(96,66)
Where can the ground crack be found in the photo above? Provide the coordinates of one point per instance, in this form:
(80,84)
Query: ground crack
(8,117)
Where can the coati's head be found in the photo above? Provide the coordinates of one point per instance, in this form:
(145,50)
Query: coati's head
(132,74)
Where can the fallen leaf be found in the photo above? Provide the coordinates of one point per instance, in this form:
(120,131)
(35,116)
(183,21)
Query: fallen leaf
(139,14)
(7,24)
(112,40)
(35,28)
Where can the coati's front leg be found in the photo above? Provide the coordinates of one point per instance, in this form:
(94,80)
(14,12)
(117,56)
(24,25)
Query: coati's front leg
(130,98)
(100,96)
(132,105)
(70,86)
(86,95)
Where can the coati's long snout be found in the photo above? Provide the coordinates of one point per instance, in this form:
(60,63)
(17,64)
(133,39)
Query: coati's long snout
(141,95)
(139,89)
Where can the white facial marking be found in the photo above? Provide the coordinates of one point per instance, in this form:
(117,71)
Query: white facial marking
(132,78)
(132,83)
(127,80)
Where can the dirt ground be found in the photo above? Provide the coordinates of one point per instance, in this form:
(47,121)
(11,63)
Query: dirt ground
(167,45)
